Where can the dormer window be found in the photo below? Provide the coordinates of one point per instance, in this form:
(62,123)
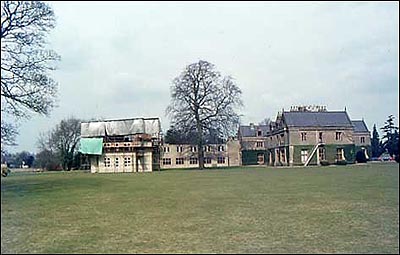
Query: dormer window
(259,133)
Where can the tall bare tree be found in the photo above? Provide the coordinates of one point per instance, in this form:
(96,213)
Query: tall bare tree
(62,141)
(26,86)
(202,100)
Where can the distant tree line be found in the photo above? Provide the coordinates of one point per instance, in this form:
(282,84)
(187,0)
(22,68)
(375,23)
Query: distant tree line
(58,149)
(18,159)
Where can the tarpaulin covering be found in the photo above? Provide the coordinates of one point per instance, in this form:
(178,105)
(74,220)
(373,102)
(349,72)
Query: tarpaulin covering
(93,146)
(125,127)
(92,129)
(121,127)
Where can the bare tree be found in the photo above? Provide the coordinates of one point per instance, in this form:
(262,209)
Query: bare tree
(203,100)
(265,121)
(26,86)
(62,141)
(8,134)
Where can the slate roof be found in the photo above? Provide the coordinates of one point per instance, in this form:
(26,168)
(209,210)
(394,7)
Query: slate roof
(317,119)
(247,131)
(359,126)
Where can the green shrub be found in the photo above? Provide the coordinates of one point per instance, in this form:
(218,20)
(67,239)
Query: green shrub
(360,157)
(341,162)
(324,163)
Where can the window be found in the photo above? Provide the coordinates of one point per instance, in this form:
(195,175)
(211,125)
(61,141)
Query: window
(193,148)
(259,144)
(362,139)
(116,162)
(107,162)
(179,149)
(207,160)
(320,136)
(166,161)
(221,148)
(259,133)
(207,148)
(179,161)
(303,136)
(338,136)
(283,158)
(193,161)
(321,153)
(339,154)
(221,160)
(127,161)
(260,158)
(166,149)
(304,156)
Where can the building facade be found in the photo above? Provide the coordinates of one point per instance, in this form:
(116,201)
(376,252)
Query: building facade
(215,155)
(253,143)
(298,137)
(306,137)
(362,137)
(119,146)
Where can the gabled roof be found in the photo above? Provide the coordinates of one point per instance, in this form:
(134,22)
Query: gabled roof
(359,126)
(317,119)
(251,130)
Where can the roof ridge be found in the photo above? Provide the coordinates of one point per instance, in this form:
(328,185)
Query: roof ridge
(109,120)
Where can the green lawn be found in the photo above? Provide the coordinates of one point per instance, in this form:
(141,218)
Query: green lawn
(342,209)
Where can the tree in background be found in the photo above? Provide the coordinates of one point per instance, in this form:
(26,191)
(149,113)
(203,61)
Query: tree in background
(265,122)
(18,159)
(203,99)
(391,137)
(46,159)
(375,143)
(26,86)
(62,142)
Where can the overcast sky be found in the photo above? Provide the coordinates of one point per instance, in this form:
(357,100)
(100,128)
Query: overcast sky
(119,58)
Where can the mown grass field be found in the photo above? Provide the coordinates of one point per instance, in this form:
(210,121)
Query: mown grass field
(341,209)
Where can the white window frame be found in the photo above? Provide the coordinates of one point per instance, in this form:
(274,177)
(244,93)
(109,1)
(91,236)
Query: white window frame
(127,161)
(193,161)
(304,155)
(166,161)
(107,162)
(179,161)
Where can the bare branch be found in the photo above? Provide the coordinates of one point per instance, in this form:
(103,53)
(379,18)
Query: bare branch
(204,101)
(26,86)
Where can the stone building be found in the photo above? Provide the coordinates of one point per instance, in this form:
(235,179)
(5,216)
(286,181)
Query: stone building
(362,137)
(215,155)
(253,141)
(125,145)
(305,136)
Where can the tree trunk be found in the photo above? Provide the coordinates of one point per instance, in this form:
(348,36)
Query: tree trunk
(200,146)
